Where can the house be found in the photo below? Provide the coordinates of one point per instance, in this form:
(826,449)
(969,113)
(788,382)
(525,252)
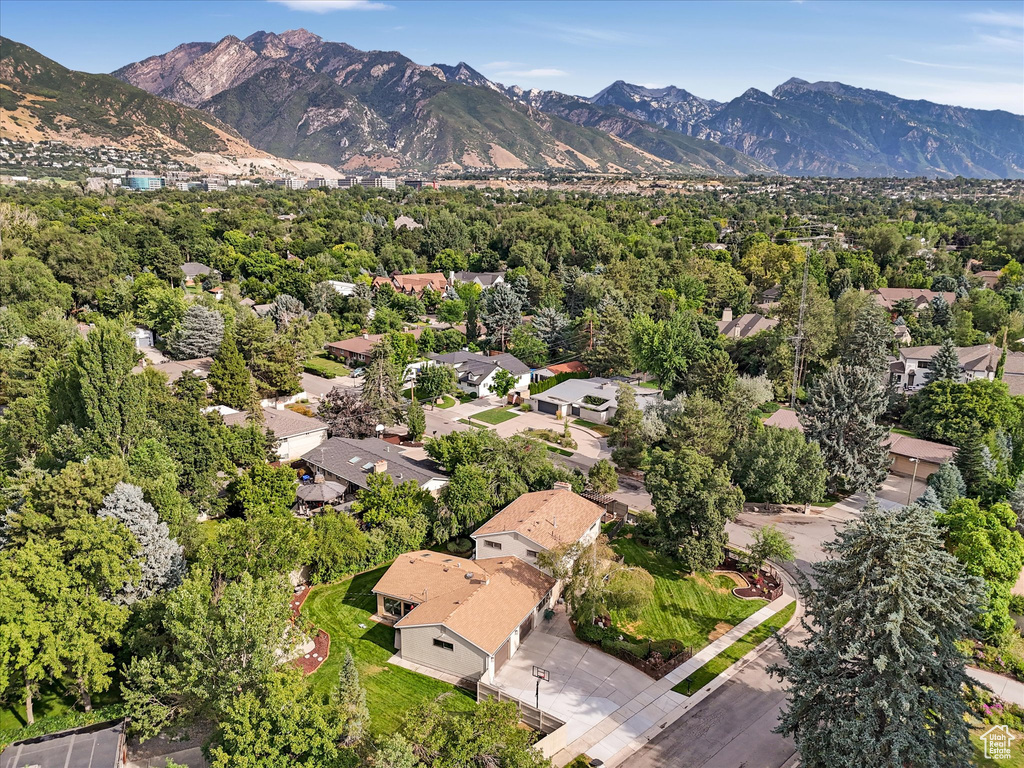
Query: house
(358,348)
(294,433)
(194,269)
(911,371)
(539,522)
(888,297)
(413,285)
(770,297)
(477,371)
(911,455)
(405,222)
(344,289)
(573,366)
(784,418)
(350,461)
(483,279)
(173,369)
(902,334)
(590,399)
(744,326)
(464,618)
(94,746)
(143,337)
(218,292)
(989,277)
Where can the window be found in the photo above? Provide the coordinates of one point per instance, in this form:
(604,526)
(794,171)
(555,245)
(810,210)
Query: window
(492,544)
(531,553)
(443,644)
(393,607)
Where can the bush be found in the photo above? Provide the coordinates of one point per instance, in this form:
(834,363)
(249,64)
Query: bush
(591,633)
(1017,605)
(537,387)
(646,526)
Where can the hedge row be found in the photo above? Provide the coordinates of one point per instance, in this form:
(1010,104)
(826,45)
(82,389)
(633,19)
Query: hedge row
(537,387)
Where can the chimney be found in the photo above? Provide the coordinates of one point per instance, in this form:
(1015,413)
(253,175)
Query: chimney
(561,485)
(380,466)
(366,336)
(727,315)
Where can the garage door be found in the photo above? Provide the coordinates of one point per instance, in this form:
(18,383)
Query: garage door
(526,628)
(501,657)
(547,407)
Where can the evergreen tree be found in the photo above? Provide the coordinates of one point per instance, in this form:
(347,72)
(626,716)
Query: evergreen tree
(880,681)
(842,416)
(382,382)
(945,364)
(200,334)
(1016,502)
(627,435)
(971,461)
(416,420)
(503,313)
(929,500)
(693,499)
(942,315)
(161,558)
(948,484)
(553,328)
(870,340)
(230,378)
(612,353)
(351,699)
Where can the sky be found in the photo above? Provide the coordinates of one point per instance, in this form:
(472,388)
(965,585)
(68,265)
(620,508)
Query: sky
(965,53)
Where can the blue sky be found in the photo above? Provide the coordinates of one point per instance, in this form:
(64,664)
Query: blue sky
(965,53)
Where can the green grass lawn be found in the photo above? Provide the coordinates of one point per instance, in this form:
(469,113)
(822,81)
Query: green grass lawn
(326,366)
(471,423)
(901,431)
(447,401)
(602,429)
(391,691)
(649,385)
(496,415)
(684,608)
(559,451)
(55,711)
(1016,759)
(735,652)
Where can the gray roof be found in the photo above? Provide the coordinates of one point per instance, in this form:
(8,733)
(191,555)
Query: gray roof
(982,357)
(193,269)
(352,460)
(283,423)
(574,390)
(746,325)
(478,366)
(95,746)
(484,279)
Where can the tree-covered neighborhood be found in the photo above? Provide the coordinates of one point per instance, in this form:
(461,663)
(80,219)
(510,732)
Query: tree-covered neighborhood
(287,485)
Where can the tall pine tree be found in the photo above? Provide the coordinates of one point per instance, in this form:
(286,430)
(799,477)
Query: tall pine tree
(842,416)
(382,382)
(946,363)
(230,378)
(880,682)
(870,341)
(612,353)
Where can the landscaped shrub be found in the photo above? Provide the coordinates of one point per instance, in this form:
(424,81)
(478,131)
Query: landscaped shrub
(317,369)
(591,633)
(543,386)
(646,529)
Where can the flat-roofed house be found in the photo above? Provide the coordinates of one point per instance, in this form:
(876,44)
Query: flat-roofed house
(592,399)
(539,522)
(465,618)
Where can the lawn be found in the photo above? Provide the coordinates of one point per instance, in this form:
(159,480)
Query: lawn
(471,423)
(684,608)
(326,366)
(447,401)
(648,385)
(735,652)
(1016,759)
(391,691)
(559,451)
(55,711)
(496,415)
(602,429)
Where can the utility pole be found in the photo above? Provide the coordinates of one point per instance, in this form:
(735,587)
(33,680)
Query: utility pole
(799,337)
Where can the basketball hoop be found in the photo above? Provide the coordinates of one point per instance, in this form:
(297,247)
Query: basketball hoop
(540,674)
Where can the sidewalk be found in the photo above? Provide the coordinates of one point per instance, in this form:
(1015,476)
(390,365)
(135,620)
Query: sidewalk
(1007,689)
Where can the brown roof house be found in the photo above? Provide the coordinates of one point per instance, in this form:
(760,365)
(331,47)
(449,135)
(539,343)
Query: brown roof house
(538,522)
(294,433)
(906,452)
(358,348)
(462,618)
(413,285)
(887,297)
(744,326)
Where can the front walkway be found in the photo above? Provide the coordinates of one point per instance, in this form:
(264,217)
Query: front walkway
(1005,688)
(609,707)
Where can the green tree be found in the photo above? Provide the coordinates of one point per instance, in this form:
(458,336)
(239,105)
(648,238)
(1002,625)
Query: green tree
(340,546)
(503,313)
(779,466)
(952,412)
(200,334)
(626,437)
(503,383)
(451,312)
(770,544)
(945,364)
(843,418)
(263,489)
(416,420)
(870,341)
(603,477)
(230,378)
(465,502)
(262,545)
(382,500)
(382,383)
(350,698)
(612,353)
(693,499)
(861,696)
(948,484)
(433,381)
(528,347)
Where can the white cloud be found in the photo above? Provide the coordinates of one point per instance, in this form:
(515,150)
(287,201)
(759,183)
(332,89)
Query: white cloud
(537,72)
(326,6)
(932,64)
(585,35)
(997,19)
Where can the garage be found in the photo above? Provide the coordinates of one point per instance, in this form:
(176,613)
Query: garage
(545,406)
(526,628)
(500,657)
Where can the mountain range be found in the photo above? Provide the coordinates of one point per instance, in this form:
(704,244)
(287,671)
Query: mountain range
(295,95)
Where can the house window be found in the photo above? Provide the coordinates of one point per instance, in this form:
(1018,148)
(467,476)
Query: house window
(443,644)
(492,544)
(394,607)
(531,553)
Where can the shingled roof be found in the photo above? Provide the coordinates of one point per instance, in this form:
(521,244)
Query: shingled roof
(549,518)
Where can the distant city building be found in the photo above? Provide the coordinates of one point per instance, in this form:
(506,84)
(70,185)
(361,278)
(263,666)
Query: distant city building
(322,183)
(290,183)
(350,181)
(143,183)
(384,182)
(420,183)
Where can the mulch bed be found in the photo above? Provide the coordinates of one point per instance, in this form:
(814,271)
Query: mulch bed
(765,589)
(310,662)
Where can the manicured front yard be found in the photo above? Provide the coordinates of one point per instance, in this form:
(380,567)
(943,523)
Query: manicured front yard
(1015,760)
(685,608)
(735,652)
(391,691)
(326,366)
(496,415)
